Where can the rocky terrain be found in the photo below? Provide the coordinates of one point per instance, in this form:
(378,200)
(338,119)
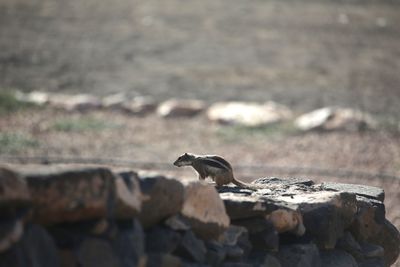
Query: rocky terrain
(100,216)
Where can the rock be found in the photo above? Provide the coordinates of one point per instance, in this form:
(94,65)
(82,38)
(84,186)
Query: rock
(114,101)
(139,106)
(160,239)
(177,223)
(248,113)
(35,97)
(163,260)
(14,193)
(79,102)
(374,262)
(262,233)
(242,205)
(337,258)
(263,259)
(166,198)
(129,244)
(334,118)
(11,231)
(299,255)
(236,242)
(216,253)
(326,215)
(285,220)
(36,248)
(192,248)
(360,190)
(96,252)
(61,194)
(236,264)
(204,209)
(180,108)
(369,219)
(350,245)
(370,226)
(275,181)
(128,195)
(372,251)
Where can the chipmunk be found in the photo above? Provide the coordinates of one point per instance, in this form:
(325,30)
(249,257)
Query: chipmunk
(212,166)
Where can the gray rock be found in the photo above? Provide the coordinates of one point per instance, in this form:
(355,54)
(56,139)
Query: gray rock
(271,181)
(236,264)
(163,260)
(11,231)
(35,249)
(161,239)
(180,108)
(370,226)
(262,233)
(216,253)
(35,97)
(128,196)
(14,193)
(204,210)
(335,118)
(337,258)
(70,194)
(247,113)
(372,251)
(97,252)
(361,190)
(374,262)
(350,245)
(299,255)
(129,244)
(177,223)
(165,199)
(79,102)
(192,248)
(326,215)
(139,106)
(114,101)
(234,253)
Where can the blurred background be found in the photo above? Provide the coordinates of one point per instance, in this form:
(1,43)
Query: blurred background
(305,55)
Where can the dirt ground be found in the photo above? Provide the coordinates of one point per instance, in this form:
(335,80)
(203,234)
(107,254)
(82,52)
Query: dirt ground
(305,54)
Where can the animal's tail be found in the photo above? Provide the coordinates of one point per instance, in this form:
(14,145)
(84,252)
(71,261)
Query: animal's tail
(244,185)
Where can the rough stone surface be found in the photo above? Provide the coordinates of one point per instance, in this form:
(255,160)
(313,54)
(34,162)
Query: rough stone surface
(337,258)
(180,108)
(192,248)
(98,252)
(35,249)
(70,194)
(79,102)
(139,106)
(14,193)
(128,195)
(165,198)
(299,255)
(129,244)
(361,190)
(11,231)
(335,118)
(248,113)
(326,215)
(34,97)
(163,260)
(350,245)
(161,239)
(204,210)
(262,233)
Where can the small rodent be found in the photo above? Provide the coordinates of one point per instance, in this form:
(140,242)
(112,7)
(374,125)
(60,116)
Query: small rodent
(212,166)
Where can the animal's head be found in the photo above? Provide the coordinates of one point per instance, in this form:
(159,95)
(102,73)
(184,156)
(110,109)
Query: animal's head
(184,160)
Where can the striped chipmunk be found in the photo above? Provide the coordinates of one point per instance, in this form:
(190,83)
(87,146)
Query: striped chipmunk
(212,166)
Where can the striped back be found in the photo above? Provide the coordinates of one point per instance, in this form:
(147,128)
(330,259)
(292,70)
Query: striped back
(216,162)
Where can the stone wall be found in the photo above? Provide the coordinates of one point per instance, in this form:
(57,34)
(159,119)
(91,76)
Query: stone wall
(95,216)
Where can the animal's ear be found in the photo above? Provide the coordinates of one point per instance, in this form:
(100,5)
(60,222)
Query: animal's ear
(186,154)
